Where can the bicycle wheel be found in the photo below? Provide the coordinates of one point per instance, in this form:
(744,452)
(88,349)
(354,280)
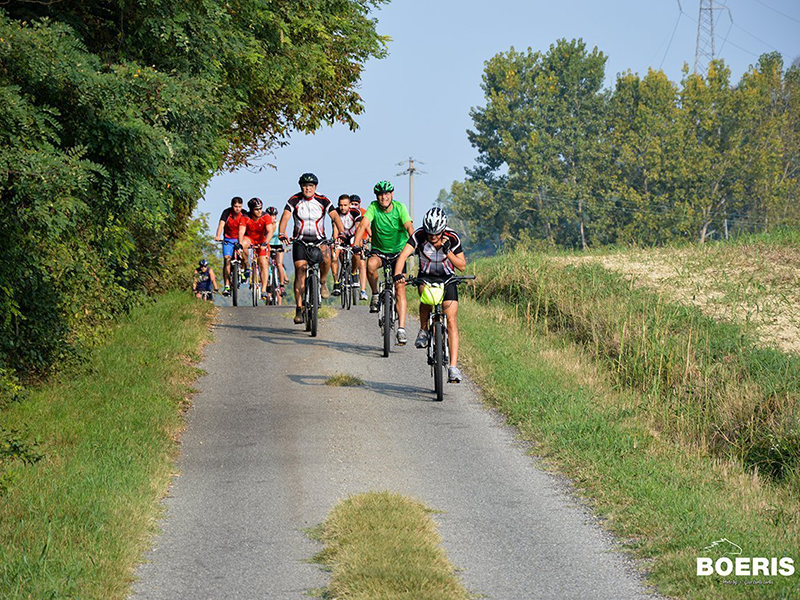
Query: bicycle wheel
(388,320)
(254,284)
(235,283)
(342,285)
(347,284)
(313,307)
(274,288)
(438,360)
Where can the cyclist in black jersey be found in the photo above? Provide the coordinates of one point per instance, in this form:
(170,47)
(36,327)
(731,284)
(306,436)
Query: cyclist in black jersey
(440,254)
(308,209)
(204,281)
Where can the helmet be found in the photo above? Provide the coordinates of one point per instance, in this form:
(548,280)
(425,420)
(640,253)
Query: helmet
(254,203)
(308,178)
(434,221)
(272,211)
(355,198)
(203,263)
(383,186)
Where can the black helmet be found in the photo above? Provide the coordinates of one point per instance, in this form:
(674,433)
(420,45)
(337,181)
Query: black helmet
(272,211)
(308,178)
(254,203)
(203,263)
(355,198)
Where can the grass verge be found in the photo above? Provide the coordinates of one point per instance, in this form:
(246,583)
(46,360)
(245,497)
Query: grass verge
(344,380)
(383,545)
(668,500)
(74,522)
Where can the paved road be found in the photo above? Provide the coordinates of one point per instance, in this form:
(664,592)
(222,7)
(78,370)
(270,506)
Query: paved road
(270,449)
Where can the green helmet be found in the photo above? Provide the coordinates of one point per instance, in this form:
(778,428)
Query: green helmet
(383,186)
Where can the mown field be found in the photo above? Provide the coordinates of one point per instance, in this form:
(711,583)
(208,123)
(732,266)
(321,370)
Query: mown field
(658,381)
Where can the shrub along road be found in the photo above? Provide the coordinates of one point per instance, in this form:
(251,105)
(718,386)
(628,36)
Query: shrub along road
(270,449)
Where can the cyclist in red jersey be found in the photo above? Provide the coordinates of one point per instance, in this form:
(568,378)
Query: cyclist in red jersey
(256,229)
(229,222)
(308,209)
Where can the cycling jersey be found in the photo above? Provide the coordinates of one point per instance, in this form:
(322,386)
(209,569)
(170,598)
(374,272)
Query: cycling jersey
(256,229)
(432,260)
(350,221)
(203,280)
(309,216)
(232,222)
(388,227)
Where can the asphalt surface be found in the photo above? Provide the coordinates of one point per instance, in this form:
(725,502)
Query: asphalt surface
(270,449)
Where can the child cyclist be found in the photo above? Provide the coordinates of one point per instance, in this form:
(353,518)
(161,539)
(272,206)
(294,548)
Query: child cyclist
(440,254)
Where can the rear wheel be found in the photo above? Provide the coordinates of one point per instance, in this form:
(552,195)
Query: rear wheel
(274,286)
(438,360)
(388,320)
(235,283)
(313,307)
(255,284)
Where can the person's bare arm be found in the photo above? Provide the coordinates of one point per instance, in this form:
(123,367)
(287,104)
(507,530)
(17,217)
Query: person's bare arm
(409,228)
(242,230)
(213,278)
(284,221)
(359,237)
(408,250)
(459,260)
(218,236)
(337,222)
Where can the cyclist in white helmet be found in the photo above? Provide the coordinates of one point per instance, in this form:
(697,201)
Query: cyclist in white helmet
(440,254)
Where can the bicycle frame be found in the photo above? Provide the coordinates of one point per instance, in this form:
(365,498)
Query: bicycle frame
(387,317)
(312,293)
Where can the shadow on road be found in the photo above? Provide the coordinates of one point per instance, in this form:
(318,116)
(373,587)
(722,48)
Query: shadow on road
(391,390)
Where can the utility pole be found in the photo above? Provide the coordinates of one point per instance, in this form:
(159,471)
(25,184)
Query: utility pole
(705,50)
(410,171)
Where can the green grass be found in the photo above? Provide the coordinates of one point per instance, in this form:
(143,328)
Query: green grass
(383,545)
(75,522)
(668,500)
(344,380)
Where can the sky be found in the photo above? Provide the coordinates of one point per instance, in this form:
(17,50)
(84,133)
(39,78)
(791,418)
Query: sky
(417,100)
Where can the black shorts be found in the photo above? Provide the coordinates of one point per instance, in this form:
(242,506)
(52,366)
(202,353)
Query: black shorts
(450,290)
(299,251)
(276,247)
(393,263)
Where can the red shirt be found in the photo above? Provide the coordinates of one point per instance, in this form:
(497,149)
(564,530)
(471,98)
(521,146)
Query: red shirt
(232,222)
(256,229)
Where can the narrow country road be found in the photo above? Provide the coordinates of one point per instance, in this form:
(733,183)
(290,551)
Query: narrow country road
(270,449)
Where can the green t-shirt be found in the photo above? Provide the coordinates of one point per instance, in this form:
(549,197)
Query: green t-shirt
(388,232)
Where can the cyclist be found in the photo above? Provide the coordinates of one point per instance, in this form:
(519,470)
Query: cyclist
(204,281)
(350,218)
(391,226)
(256,228)
(277,252)
(229,222)
(440,254)
(355,202)
(308,209)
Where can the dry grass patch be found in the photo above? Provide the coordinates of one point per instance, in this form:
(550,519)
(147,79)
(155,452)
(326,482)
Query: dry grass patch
(344,380)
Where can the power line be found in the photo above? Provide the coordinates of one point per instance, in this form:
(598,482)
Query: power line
(674,29)
(779,12)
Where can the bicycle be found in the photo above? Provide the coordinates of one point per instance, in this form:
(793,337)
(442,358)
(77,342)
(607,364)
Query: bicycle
(433,295)
(387,308)
(273,278)
(312,295)
(348,288)
(237,275)
(255,274)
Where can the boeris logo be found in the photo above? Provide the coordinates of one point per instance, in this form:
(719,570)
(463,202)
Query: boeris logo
(725,558)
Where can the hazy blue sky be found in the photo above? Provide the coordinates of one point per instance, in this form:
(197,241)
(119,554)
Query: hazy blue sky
(418,99)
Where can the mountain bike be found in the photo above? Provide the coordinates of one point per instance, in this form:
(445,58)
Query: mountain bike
(273,278)
(346,277)
(312,295)
(255,273)
(433,295)
(388,307)
(237,274)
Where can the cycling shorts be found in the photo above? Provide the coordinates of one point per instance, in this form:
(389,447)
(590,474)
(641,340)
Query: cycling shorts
(393,262)
(299,251)
(261,251)
(227,246)
(276,247)
(450,290)
(203,286)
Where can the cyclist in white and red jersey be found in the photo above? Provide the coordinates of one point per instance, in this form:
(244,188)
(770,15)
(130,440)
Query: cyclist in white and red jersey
(440,254)
(308,209)
(350,217)
(229,222)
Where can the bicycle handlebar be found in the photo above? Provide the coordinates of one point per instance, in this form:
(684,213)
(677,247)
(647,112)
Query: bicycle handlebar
(452,279)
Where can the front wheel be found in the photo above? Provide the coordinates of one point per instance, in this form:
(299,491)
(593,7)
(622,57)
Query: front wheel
(313,306)
(388,320)
(235,283)
(438,360)
(255,284)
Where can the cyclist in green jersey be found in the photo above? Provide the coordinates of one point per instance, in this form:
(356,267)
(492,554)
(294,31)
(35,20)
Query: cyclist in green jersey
(391,227)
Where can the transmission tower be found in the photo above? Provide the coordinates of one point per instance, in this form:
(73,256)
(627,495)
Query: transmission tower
(410,171)
(705,50)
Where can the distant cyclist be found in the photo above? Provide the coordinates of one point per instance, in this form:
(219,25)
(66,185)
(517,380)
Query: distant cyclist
(350,217)
(204,281)
(276,247)
(391,226)
(229,223)
(440,254)
(255,230)
(308,209)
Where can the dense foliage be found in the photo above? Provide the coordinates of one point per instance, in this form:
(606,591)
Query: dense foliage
(113,117)
(567,162)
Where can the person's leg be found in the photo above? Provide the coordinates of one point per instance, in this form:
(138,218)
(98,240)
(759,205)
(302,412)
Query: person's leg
(424,314)
(451,312)
(299,282)
(226,272)
(335,265)
(263,267)
(373,264)
(400,294)
(281,270)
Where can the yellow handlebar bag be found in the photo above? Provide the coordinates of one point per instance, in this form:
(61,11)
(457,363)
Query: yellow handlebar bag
(432,293)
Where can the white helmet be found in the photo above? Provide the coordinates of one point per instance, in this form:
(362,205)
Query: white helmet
(434,221)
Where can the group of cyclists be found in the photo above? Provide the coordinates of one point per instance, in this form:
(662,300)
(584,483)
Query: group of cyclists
(385,224)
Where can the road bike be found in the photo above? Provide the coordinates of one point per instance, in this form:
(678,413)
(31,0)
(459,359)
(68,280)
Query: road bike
(255,273)
(433,295)
(312,295)
(273,277)
(348,284)
(387,307)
